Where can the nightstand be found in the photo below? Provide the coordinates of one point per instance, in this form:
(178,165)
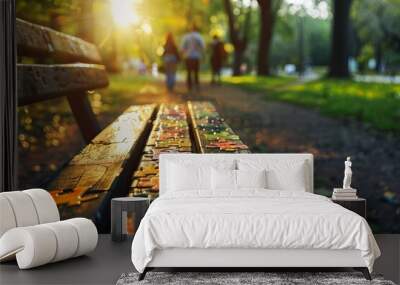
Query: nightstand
(358,205)
(126,214)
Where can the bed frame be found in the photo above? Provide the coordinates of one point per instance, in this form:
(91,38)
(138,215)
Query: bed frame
(246,258)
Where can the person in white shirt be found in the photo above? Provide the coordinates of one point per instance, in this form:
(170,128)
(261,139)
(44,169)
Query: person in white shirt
(192,49)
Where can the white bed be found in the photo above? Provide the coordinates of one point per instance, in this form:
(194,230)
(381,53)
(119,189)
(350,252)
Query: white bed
(249,227)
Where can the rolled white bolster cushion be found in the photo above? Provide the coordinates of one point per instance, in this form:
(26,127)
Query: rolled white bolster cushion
(7,218)
(22,207)
(33,246)
(66,238)
(40,244)
(87,235)
(26,208)
(45,206)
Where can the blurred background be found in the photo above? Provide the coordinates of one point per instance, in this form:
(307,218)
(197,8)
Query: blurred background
(300,76)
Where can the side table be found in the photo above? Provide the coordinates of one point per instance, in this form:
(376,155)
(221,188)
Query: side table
(126,214)
(357,205)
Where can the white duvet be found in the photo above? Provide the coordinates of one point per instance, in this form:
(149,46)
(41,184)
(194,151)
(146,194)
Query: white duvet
(250,219)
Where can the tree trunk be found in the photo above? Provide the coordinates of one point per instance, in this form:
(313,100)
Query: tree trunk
(233,35)
(378,57)
(301,65)
(238,56)
(264,43)
(239,42)
(231,20)
(112,61)
(85,29)
(340,39)
(55,21)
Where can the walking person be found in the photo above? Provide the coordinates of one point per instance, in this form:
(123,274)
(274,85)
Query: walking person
(193,47)
(171,58)
(218,56)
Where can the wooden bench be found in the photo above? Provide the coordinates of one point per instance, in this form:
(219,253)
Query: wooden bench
(103,168)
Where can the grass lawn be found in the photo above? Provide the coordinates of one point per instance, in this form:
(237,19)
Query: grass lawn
(127,82)
(119,94)
(257,83)
(377,104)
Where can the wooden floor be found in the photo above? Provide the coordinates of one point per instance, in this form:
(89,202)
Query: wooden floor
(110,260)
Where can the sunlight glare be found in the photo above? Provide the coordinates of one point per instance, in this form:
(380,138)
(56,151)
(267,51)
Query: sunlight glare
(123,12)
(147,28)
(309,7)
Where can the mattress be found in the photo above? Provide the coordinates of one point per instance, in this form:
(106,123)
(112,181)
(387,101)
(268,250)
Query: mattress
(250,219)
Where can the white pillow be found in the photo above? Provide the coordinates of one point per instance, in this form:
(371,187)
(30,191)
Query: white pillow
(251,178)
(223,179)
(203,160)
(183,177)
(281,174)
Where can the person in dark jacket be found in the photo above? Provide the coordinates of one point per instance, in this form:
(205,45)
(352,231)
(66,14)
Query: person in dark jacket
(218,55)
(171,58)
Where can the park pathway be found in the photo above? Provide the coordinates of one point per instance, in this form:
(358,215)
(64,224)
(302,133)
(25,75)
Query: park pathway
(271,126)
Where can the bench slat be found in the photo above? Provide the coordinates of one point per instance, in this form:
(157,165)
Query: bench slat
(103,165)
(170,133)
(38,41)
(42,82)
(211,132)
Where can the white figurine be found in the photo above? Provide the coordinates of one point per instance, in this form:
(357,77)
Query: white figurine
(347,174)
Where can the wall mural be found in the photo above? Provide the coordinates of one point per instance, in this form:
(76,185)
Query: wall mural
(94,129)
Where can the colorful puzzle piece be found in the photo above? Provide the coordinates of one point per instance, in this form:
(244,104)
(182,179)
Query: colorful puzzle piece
(72,197)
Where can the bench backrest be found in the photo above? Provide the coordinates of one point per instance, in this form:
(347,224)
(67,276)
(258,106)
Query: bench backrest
(77,71)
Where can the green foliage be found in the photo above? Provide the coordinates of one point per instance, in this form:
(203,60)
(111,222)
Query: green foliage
(285,45)
(367,52)
(377,26)
(377,104)
(319,41)
(375,22)
(42,11)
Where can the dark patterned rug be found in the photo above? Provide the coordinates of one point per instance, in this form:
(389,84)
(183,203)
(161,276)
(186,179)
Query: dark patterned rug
(273,278)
